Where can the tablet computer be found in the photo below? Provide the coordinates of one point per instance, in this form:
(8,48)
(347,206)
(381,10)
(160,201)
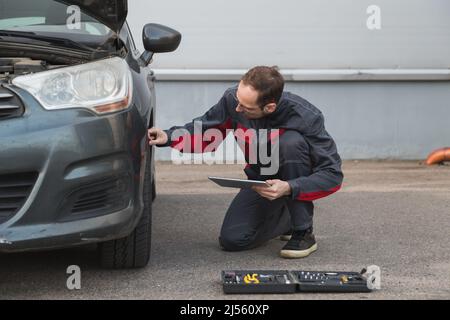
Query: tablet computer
(237,183)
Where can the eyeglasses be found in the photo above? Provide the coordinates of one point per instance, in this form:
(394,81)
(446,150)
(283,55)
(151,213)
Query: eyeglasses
(243,108)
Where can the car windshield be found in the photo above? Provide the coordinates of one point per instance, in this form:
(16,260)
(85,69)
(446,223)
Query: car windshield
(52,18)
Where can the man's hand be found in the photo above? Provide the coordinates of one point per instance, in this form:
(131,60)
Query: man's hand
(157,137)
(277,189)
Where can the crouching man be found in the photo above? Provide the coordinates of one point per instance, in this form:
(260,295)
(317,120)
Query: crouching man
(308,164)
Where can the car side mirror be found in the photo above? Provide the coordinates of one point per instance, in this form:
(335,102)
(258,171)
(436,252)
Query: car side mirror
(158,39)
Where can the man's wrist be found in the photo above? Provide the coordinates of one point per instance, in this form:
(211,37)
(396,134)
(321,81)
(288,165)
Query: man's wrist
(169,141)
(291,187)
(288,191)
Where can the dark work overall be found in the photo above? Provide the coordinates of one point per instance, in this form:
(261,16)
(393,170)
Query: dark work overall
(308,161)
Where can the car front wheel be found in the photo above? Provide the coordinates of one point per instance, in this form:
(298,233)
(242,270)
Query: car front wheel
(133,251)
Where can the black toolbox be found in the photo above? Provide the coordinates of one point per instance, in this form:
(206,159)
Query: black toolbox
(284,281)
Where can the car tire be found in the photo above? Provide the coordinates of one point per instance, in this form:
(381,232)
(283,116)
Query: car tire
(133,251)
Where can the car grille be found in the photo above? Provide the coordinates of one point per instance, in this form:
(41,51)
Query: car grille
(10,105)
(14,191)
(105,196)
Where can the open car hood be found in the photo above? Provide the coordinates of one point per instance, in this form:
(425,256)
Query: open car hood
(112,13)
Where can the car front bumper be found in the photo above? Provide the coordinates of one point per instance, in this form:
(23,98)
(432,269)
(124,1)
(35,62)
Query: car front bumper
(69,177)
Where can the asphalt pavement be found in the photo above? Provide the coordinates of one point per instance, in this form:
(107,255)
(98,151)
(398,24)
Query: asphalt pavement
(392,214)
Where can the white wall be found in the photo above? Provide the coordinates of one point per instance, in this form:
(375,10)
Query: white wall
(297,34)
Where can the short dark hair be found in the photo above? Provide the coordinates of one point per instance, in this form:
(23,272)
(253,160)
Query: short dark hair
(268,81)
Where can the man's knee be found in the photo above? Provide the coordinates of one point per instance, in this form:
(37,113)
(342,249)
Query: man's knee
(294,148)
(292,142)
(236,241)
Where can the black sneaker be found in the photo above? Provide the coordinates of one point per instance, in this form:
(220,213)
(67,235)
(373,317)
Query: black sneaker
(301,245)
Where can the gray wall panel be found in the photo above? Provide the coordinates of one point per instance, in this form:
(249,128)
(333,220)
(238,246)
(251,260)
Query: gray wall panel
(398,120)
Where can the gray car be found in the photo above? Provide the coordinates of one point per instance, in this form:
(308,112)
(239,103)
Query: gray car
(76,100)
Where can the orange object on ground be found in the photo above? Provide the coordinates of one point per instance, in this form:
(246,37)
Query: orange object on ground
(438,156)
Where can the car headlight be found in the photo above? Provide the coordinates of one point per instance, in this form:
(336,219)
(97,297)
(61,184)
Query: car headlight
(103,86)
